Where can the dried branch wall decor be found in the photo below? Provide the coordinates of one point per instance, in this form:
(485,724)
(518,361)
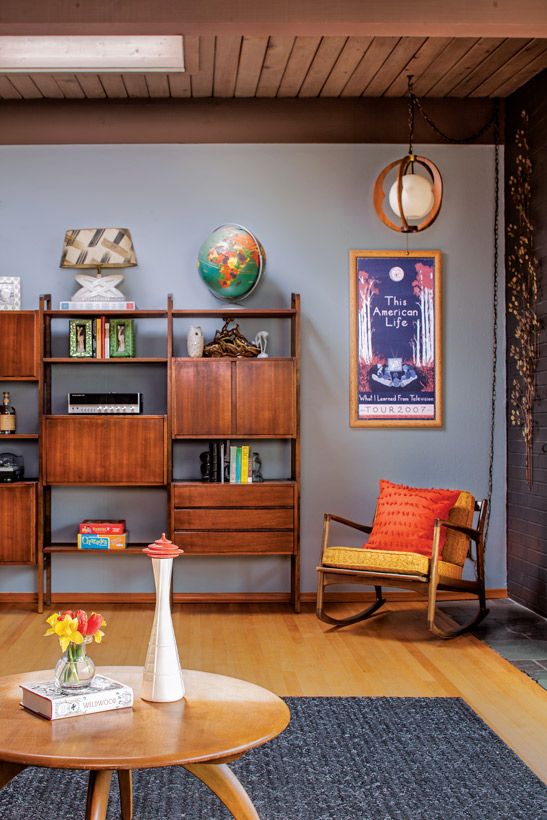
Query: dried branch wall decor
(522,295)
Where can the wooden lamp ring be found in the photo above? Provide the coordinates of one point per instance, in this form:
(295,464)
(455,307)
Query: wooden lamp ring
(379,193)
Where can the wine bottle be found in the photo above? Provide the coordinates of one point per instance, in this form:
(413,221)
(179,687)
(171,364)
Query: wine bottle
(7,416)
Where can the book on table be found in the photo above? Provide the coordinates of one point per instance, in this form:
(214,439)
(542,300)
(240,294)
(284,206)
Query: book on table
(103,694)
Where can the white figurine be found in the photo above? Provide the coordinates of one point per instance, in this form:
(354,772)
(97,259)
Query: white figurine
(195,342)
(261,341)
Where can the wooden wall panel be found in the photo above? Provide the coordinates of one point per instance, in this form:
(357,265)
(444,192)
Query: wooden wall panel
(527,509)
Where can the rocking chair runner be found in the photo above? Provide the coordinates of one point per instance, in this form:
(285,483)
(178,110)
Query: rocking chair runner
(378,568)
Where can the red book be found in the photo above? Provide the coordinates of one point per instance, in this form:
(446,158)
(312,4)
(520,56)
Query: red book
(100,527)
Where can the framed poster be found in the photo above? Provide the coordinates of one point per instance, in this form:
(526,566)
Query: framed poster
(395,321)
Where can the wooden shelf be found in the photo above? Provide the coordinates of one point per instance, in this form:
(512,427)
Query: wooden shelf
(21,436)
(19,379)
(126,314)
(208,398)
(132,549)
(240,313)
(113,360)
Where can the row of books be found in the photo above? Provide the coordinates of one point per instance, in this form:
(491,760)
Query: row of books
(222,463)
(241,465)
(102,534)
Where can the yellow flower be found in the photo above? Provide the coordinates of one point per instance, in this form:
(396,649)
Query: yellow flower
(65,628)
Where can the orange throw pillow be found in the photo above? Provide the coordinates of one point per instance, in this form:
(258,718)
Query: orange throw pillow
(405,517)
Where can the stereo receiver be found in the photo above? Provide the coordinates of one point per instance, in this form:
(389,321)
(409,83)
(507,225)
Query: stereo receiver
(105,402)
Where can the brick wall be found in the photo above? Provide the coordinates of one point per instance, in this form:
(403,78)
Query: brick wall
(527,509)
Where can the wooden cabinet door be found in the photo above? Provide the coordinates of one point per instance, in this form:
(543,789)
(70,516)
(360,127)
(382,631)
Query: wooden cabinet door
(18,335)
(266,403)
(17,523)
(105,450)
(202,397)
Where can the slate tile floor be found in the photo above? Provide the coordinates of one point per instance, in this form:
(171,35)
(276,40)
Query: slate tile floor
(516,633)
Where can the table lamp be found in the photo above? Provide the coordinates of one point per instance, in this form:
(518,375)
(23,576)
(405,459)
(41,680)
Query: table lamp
(98,248)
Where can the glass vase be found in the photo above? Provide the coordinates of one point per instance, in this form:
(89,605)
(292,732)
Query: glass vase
(75,671)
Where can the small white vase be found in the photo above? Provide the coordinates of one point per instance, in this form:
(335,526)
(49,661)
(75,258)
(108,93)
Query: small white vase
(195,342)
(162,676)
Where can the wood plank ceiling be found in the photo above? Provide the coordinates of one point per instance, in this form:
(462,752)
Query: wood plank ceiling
(282,66)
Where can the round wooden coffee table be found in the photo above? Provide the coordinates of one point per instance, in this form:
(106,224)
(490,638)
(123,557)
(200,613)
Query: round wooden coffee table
(219,720)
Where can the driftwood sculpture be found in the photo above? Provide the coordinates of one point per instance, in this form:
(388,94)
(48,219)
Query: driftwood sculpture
(230,342)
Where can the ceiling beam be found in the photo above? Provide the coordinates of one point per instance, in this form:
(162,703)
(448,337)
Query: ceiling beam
(383,18)
(363,120)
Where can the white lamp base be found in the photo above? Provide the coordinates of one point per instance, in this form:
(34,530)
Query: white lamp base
(162,676)
(98,288)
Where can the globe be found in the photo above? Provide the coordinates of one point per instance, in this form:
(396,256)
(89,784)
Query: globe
(231,261)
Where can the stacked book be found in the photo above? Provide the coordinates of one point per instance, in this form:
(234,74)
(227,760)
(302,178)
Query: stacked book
(241,465)
(102,534)
(114,305)
(102,695)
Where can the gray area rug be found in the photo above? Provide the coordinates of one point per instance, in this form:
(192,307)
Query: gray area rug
(342,758)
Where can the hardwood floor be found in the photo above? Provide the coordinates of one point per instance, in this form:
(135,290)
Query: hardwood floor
(393,654)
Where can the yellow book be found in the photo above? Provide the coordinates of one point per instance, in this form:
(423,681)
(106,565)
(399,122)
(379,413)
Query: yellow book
(245,464)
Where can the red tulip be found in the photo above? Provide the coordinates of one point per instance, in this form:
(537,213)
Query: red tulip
(94,623)
(67,613)
(82,621)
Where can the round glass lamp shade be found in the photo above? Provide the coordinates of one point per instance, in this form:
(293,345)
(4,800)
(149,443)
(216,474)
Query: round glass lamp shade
(417,197)
(231,262)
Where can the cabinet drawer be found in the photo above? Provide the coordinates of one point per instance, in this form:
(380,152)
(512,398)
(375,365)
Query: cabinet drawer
(234,519)
(233,495)
(17,523)
(105,450)
(212,542)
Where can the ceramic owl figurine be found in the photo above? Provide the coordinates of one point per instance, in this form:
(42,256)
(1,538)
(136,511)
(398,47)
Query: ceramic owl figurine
(195,342)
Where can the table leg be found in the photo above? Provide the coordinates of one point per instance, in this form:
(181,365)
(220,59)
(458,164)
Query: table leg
(9,770)
(98,789)
(223,782)
(126,793)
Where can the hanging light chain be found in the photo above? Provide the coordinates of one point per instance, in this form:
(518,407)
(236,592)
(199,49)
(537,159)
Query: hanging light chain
(411,114)
(494,315)
(415,102)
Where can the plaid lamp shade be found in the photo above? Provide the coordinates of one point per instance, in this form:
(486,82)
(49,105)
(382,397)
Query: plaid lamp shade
(98,248)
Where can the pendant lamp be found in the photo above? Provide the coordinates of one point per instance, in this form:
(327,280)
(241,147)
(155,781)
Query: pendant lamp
(415,198)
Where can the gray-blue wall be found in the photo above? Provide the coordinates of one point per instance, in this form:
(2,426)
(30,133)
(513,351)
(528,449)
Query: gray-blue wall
(309,205)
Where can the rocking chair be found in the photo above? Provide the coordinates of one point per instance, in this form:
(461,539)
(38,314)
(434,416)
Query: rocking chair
(378,568)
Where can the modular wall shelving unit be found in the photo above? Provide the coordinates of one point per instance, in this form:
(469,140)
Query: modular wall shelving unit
(209,398)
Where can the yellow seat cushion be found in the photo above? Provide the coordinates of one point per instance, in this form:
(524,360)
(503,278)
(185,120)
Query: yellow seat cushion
(407,563)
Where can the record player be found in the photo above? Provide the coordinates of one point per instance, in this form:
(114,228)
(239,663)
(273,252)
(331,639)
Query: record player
(12,467)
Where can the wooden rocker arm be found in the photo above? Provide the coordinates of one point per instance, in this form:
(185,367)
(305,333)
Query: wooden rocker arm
(362,527)
(327,518)
(471,533)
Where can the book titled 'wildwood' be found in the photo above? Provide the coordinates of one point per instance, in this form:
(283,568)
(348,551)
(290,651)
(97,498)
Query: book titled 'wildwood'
(103,694)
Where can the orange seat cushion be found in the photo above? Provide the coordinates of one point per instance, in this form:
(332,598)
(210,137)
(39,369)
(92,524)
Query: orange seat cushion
(405,517)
